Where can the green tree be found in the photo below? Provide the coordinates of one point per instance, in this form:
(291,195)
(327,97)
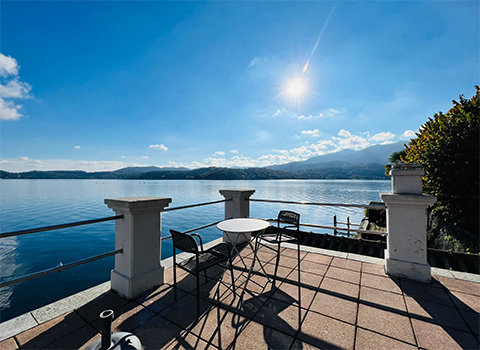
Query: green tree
(447,146)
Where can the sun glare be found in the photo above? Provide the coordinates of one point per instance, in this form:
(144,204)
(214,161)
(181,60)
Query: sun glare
(296,88)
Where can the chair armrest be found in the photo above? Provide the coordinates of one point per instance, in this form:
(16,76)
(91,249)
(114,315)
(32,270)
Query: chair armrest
(199,238)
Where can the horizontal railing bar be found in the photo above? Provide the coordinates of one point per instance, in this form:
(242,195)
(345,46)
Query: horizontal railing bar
(347,223)
(57,227)
(321,204)
(193,229)
(58,269)
(196,205)
(340,228)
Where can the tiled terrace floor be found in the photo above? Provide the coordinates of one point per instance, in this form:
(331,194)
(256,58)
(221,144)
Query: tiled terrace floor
(345,304)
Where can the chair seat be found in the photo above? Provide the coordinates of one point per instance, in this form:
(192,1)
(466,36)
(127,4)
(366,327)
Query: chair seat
(205,260)
(274,238)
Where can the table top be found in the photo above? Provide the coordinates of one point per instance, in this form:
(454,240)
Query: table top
(243,225)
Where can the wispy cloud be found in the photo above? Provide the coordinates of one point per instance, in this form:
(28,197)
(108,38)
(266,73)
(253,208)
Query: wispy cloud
(409,134)
(13,88)
(219,153)
(76,147)
(314,133)
(256,60)
(161,147)
(383,136)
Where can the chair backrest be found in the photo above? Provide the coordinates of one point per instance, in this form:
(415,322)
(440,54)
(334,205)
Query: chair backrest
(184,242)
(289,217)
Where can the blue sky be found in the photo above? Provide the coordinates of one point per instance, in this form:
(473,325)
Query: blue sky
(102,85)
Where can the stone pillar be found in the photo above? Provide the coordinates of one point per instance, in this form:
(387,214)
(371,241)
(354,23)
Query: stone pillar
(237,207)
(406,253)
(138,268)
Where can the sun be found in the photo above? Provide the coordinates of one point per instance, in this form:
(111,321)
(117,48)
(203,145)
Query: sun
(296,88)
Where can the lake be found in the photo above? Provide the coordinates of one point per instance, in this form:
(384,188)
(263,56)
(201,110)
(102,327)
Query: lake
(28,204)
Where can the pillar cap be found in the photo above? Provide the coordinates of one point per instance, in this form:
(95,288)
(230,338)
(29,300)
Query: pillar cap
(230,193)
(408,200)
(138,203)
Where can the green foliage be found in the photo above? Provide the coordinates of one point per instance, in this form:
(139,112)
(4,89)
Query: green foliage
(447,146)
(395,158)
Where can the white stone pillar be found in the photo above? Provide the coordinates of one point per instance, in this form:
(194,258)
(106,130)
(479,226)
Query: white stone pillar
(138,268)
(406,253)
(237,207)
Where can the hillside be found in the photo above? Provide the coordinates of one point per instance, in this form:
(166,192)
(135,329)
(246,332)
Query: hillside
(375,154)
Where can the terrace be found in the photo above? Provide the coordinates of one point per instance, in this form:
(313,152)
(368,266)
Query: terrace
(347,300)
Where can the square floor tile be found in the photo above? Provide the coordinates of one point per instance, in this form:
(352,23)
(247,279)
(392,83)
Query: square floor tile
(335,307)
(281,316)
(340,288)
(374,269)
(384,322)
(425,292)
(257,336)
(384,300)
(435,337)
(367,340)
(343,274)
(326,333)
(388,284)
(347,264)
(157,333)
(318,258)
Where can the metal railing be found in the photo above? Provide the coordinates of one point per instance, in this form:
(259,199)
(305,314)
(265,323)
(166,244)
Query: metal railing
(334,228)
(196,205)
(62,266)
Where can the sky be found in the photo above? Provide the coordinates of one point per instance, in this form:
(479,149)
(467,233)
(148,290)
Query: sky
(101,85)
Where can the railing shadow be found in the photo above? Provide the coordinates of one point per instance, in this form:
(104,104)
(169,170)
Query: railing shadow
(436,305)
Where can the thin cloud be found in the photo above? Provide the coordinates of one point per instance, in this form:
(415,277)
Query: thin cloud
(383,136)
(76,147)
(219,153)
(161,147)
(314,133)
(408,134)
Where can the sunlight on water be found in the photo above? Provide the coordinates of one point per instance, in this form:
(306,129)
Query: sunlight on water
(36,203)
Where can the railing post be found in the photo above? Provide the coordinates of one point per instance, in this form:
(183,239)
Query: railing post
(237,206)
(406,253)
(138,268)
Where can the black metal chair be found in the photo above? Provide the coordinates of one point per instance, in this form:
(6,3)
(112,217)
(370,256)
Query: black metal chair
(290,220)
(200,261)
(287,231)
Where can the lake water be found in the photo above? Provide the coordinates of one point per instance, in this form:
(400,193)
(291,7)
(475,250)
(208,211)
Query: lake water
(28,204)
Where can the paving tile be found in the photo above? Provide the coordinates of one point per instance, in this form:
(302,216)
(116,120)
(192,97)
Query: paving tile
(293,253)
(347,264)
(374,269)
(160,298)
(367,340)
(459,285)
(472,319)
(425,292)
(343,274)
(188,341)
(219,327)
(108,301)
(157,333)
(50,331)
(436,313)
(388,284)
(79,339)
(338,308)
(435,337)
(308,280)
(340,288)
(465,301)
(290,261)
(183,313)
(246,304)
(282,271)
(16,325)
(318,258)
(384,322)
(326,333)
(279,315)
(257,336)
(289,291)
(384,300)
(8,344)
(302,345)
(127,318)
(313,267)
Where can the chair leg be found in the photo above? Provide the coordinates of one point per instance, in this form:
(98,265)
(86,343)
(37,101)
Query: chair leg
(277,262)
(198,294)
(174,277)
(233,279)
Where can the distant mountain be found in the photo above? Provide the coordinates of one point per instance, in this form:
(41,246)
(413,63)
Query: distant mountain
(145,169)
(361,171)
(378,154)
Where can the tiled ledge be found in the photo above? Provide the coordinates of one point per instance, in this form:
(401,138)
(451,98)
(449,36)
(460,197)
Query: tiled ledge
(48,312)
